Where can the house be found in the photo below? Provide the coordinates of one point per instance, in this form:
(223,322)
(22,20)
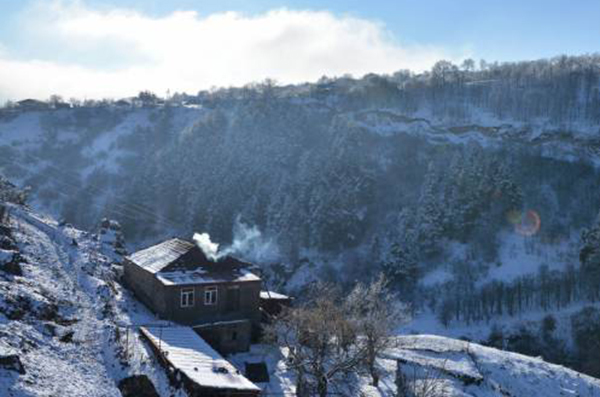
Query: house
(32,104)
(124,104)
(219,299)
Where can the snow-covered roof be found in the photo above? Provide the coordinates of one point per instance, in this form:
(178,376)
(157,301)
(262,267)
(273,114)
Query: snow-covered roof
(190,354)
(157,257)
(180,262)
(273,295)
(201,276)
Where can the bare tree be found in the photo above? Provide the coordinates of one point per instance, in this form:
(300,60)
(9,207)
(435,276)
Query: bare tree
(376,314)
(321,341)
(332,336)
(421,382)
(55,100)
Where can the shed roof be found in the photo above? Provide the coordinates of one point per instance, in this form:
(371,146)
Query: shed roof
(190,354)
(273,295)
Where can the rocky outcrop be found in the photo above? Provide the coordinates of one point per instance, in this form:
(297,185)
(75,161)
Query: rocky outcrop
(12,363)
(110,234)
(10,259)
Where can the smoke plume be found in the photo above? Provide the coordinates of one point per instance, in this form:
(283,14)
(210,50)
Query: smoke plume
(248,244)
(209,248)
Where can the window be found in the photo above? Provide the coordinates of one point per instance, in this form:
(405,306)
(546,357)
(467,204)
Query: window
(234,335)
(187,297)
(210,296)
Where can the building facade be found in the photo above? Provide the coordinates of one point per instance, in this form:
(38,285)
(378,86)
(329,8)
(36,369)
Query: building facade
(219,299)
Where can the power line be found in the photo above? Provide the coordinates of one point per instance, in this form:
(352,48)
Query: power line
(122,206)
(140,209)
(75,175)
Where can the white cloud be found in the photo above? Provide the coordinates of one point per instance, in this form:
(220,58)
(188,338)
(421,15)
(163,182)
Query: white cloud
(113,53)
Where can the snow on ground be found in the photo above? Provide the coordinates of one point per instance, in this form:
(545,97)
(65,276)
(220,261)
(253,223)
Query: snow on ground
(54,367)
(426,322)
(103,149)
(66,333)
(519,256)
(467,369)
(22,130)
(436,276)
(5,256)
(282,381)
(485,130)
(442,366)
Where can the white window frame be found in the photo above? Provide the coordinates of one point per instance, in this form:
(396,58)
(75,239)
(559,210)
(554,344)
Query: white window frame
(187,297)
(210,296)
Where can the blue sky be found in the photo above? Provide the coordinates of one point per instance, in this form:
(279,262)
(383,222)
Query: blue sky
(94,48)
(502,30)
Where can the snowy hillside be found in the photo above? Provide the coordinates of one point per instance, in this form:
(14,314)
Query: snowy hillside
(464,369)
(435,366)
(61,316)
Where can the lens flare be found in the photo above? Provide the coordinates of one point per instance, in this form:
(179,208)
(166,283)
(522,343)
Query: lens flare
(525,224)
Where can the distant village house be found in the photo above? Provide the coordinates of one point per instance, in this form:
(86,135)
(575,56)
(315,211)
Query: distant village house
(32,104)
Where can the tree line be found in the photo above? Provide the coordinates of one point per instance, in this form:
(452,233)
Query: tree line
(548,290)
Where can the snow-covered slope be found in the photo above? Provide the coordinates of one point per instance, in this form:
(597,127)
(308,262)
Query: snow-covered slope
(461,368)
(574,143)
(65,316)
(435,366)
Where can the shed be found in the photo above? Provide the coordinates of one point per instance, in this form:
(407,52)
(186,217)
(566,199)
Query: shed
(272,302)
(202,371)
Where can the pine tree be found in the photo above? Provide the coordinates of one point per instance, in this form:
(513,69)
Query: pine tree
(402,268)
(589,257)
(430,218)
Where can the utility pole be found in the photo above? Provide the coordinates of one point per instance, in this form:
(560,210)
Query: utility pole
(127,344)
